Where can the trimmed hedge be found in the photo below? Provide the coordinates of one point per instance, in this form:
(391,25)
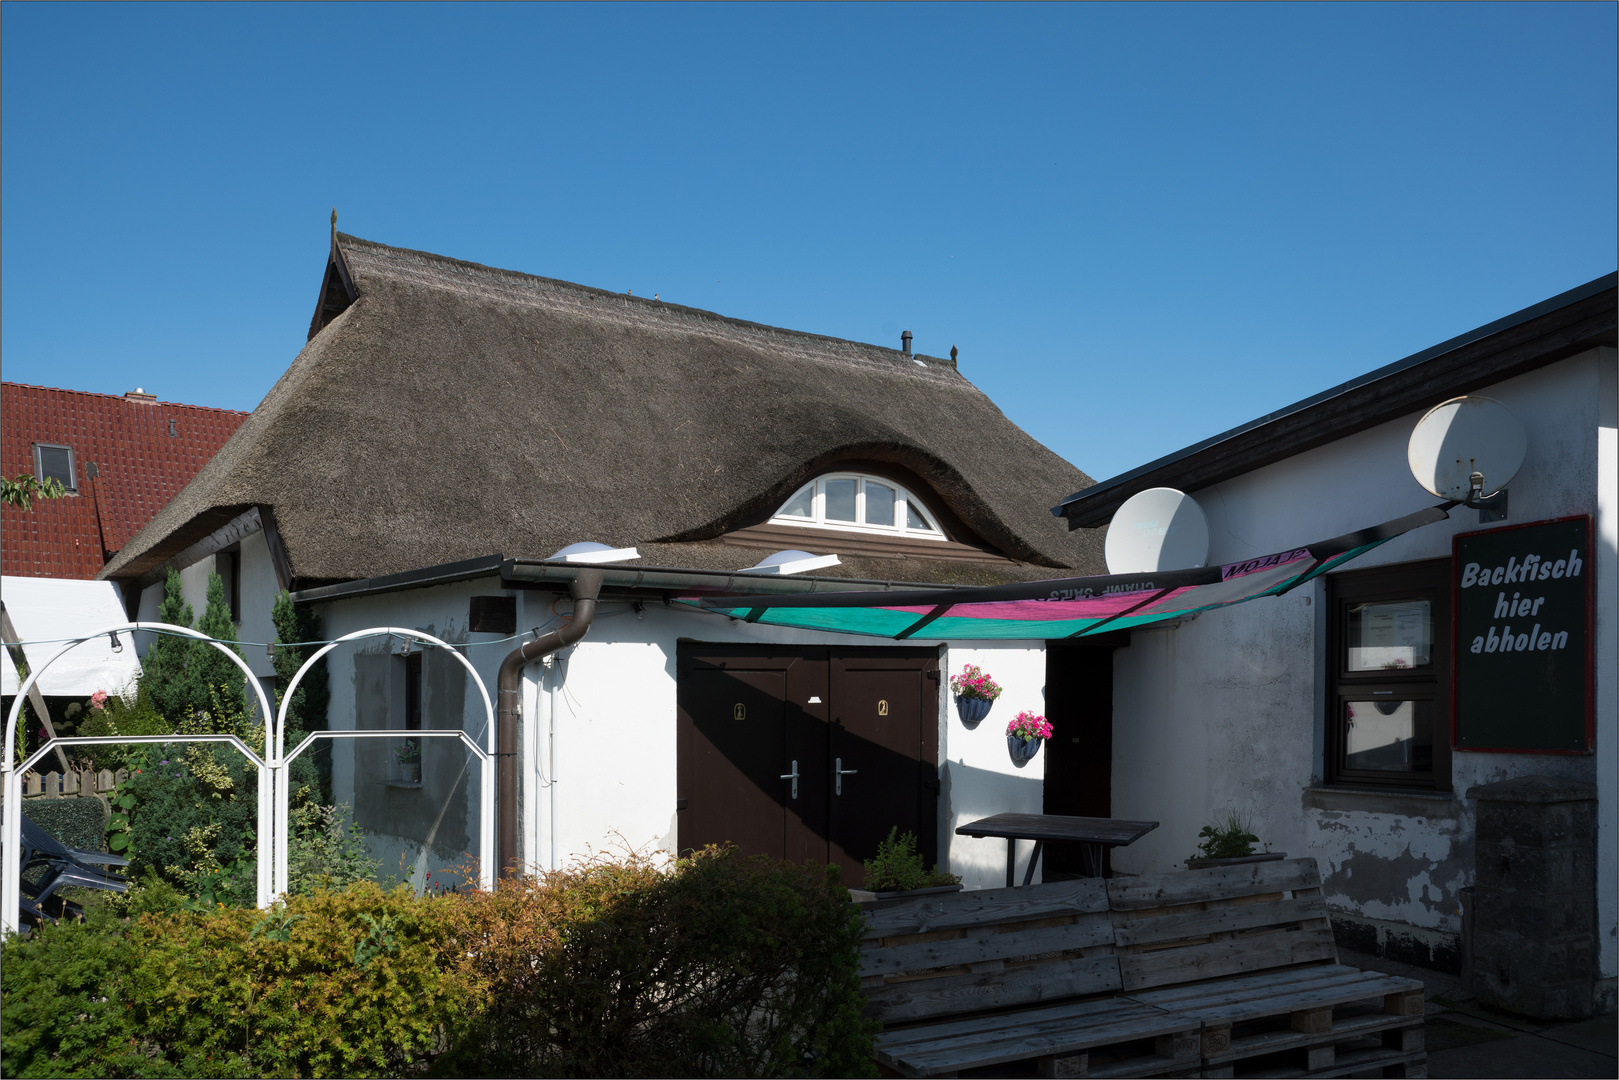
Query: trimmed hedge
(712,966)
(79,823)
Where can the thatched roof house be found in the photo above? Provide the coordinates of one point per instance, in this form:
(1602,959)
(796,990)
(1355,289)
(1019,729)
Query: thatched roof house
(444,410)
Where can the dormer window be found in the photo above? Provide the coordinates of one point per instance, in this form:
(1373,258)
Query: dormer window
(857,502)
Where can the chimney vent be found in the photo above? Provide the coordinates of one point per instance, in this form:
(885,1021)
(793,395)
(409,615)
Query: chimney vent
(905,343)
(138,394)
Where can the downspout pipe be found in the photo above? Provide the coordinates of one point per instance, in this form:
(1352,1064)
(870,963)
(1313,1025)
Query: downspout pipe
(585,588)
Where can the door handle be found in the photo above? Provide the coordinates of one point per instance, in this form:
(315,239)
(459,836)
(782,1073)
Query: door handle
(838,773)
(793,776)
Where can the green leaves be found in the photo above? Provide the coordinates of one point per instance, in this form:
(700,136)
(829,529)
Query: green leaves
(21,491)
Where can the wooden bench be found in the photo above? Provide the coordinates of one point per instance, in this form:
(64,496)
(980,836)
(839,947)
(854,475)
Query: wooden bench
(1228,971)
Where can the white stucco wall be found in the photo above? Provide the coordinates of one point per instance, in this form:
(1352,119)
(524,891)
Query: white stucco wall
(257,592)
(1227,711)
(614,696)
(256,597)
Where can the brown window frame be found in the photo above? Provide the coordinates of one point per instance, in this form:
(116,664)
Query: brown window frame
(1427,580)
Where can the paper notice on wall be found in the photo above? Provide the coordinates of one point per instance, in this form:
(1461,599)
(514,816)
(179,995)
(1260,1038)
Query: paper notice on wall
(1392,636)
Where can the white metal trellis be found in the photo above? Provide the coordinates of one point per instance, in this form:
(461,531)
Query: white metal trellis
(485,754)
(11,829)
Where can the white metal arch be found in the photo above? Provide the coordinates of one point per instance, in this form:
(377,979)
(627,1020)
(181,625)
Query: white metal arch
(485,755)
(11,828)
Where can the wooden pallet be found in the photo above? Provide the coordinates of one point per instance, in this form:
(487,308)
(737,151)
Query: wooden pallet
(1228,971)
(1312,1021)
(1110,1037)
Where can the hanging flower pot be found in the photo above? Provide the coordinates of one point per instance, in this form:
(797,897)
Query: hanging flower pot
(972,709)
(1024,736)
(1022,749)
(975,693)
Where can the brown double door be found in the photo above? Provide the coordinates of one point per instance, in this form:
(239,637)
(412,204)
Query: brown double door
(858,727)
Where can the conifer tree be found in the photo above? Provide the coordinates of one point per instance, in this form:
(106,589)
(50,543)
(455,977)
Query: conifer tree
(310,770)
(215,675)
(165,674)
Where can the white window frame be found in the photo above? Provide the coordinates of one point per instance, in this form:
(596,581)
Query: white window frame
(72,486)
(903,502)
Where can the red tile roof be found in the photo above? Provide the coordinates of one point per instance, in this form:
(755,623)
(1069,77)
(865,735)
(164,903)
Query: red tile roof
(144,452)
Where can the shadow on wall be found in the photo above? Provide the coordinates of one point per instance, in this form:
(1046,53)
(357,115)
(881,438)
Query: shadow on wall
(969,793)
(415,822)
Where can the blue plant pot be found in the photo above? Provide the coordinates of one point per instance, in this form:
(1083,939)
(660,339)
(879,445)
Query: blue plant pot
(972,709)
(1022,752)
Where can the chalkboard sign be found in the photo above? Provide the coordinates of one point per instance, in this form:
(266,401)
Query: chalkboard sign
(1523,638)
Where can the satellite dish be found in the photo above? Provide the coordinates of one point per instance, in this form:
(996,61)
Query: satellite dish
(1157,529)
(589,551)
(1463,438)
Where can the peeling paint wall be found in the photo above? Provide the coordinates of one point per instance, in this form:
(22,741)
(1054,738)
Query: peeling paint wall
(1227,711)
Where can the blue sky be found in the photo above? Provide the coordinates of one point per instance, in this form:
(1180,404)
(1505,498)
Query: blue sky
(1141,225)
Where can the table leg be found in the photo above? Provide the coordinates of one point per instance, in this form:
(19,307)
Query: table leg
(1011,860)
(1034,860)
(1092,855)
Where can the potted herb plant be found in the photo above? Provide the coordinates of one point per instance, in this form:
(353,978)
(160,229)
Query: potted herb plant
(1229,842)
(1024,736)
(409,756)
(897,870)
(975,693)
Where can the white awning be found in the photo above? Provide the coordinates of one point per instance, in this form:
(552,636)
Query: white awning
(49,609)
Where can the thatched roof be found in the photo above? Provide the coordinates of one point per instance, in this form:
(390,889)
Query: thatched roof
(443,410)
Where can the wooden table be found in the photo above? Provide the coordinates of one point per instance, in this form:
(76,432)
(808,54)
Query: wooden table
(1095,833)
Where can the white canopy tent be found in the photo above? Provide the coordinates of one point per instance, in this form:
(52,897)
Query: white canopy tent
(52,610)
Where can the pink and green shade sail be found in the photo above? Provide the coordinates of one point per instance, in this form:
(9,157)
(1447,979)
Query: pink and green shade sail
(1062,607)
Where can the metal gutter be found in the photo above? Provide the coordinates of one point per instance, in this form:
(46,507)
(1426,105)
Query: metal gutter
(1518,318)
(409,579)
(585,589)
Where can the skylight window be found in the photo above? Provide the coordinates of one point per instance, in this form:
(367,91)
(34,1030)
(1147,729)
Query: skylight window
(55,463)
(856,502)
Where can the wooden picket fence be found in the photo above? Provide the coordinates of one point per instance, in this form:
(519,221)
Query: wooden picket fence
(82,783)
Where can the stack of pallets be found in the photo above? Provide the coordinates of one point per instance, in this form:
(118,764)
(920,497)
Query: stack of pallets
(1228,971)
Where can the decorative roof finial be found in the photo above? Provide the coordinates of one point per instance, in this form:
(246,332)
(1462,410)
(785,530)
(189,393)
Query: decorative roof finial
(952,354)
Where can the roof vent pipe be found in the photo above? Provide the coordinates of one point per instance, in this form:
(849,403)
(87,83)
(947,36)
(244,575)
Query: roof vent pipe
(905,343)
(585,588)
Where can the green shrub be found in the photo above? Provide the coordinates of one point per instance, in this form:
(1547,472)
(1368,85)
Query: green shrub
(715,966)
(327,851)
(712,966)
(191,819)
(78,823)
(897,866)
(62,1002)
(332,984)
(130,714)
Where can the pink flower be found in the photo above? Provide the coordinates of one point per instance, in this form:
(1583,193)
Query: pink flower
(98,699)
(1029,726)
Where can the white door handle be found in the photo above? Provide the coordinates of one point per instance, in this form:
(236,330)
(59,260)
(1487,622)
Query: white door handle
(793,776)
(838,773)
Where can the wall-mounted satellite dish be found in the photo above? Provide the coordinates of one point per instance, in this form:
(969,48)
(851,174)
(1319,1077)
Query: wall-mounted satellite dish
(1157,529)
(1467,448)
(589,551)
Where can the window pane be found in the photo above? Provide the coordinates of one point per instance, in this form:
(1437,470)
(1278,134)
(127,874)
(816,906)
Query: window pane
(1389,736)
(56,463)
(1390,635)
(802,504)
(840,500)
(915,520)
(879,504)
